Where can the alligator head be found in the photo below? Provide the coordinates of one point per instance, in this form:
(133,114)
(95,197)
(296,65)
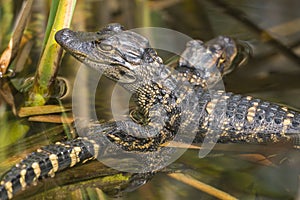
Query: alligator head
(118,54)
(211,60)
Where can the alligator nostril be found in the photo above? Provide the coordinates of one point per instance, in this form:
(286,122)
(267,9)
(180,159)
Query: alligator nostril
(62,35)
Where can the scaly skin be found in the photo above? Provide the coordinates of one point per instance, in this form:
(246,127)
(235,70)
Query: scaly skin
(180,95)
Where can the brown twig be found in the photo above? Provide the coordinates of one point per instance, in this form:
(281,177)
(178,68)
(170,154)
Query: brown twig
(11,51)
(202,186)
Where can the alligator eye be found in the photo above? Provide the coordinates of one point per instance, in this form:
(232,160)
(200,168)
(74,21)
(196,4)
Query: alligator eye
(105,47)
(122,73)
(131,56)
(222,59)
(221,63)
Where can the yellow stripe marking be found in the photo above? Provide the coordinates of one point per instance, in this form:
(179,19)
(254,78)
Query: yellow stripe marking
(74,156)
(286,123)
(54,161)
(251,114)
(9,189)
(22,178)
(96,149)
(36,169)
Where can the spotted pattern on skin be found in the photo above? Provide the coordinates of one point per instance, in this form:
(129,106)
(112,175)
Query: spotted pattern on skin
(252,121)
(173,119)
(210,106)
(287,122)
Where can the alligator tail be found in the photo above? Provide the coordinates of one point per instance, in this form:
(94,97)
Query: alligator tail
(45,162)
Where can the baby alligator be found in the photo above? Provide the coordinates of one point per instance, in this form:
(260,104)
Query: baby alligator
(169,101)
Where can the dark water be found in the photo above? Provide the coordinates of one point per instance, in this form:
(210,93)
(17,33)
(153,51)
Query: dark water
(271,74)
